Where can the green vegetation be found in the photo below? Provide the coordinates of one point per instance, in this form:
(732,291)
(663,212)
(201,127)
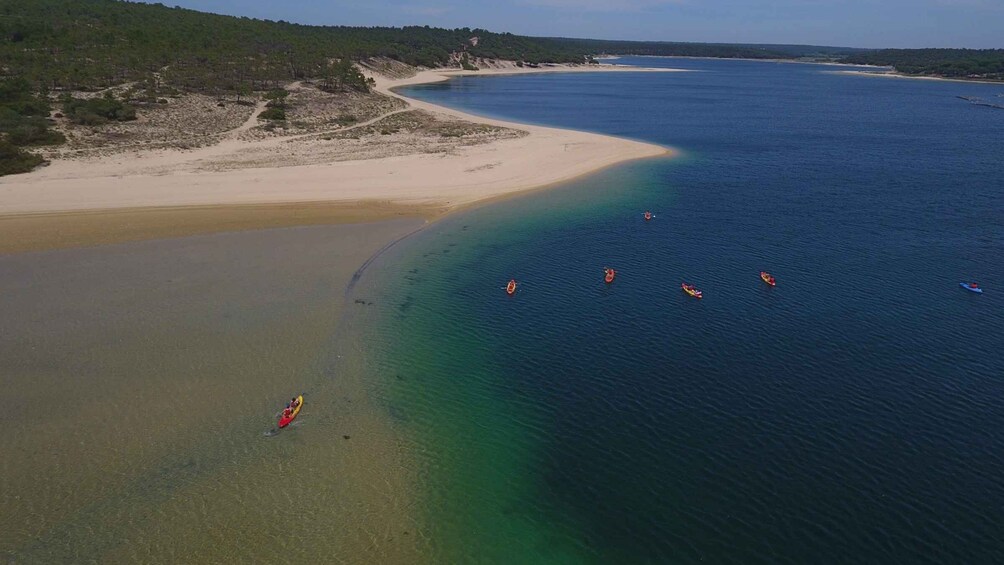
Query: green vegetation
(952,63)
(24,121)
(277,97)
(28,130)
(343,76)
(15,160)
(465,63)
(273,114)
(97,111)
(668,49)
(94,44)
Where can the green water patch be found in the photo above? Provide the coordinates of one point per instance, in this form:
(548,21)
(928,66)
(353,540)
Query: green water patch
(448,359)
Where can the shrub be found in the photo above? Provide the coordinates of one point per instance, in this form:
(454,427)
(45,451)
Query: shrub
(465,63)
(272,114)
(27,130)
(34,132)
(276,98)
(96,111)
(14,160)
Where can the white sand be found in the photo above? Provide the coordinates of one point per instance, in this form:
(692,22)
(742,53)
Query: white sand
(894,74)
(545,156)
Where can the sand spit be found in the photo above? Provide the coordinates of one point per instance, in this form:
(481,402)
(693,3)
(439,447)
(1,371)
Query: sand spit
(893,74)
(412,154)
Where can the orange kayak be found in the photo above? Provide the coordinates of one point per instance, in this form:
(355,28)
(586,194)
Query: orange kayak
(609,274)
(511,287)
(767,278)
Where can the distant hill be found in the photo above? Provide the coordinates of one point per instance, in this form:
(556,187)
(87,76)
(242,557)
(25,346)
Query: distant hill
(97,43)
(949,63)
(714,50)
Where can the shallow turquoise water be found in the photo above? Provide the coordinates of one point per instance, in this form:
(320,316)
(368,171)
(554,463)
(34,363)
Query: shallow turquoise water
(851,414)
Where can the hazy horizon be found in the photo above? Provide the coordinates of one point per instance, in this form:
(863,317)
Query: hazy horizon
(857,23)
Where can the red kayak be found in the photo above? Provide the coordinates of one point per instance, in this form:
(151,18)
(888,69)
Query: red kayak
(648,216)
(609,274)
(510,288)
(286,418)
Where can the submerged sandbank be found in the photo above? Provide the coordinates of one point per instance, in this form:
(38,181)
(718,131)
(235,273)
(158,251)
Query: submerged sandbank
(151,371)
(59,230)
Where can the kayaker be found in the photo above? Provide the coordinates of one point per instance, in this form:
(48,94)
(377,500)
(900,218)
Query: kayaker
(286,412)
(292,403)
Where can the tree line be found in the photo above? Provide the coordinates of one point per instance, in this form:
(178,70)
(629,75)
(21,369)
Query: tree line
(84,44)
(952,63)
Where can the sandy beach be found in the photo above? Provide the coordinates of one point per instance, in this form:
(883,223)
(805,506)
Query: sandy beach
(243,171)
(894,74)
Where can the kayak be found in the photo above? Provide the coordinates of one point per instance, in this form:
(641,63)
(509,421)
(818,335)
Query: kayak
(765,276)
(609,274)
(689,289)
(971,287)
(511,287)
(285,420)
(648,216)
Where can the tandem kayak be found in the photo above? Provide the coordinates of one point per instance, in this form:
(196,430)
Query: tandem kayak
(971,287)
(511,287)
(689,289)
(767,278)
(609,274)
(285,420)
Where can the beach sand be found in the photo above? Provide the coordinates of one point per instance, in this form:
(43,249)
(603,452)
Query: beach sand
(179,179)
(894,74)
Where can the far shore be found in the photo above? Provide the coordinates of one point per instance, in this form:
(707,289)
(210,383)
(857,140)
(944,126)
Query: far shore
(110,199)
(793,61)
(893,74)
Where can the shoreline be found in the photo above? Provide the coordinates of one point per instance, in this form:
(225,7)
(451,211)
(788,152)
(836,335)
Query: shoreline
(901,75)
(794,61)
(69,199)
(44,231)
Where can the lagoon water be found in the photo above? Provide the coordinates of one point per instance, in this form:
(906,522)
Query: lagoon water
(852,414)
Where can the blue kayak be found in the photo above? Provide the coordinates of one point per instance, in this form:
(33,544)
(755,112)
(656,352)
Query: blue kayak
(975,289)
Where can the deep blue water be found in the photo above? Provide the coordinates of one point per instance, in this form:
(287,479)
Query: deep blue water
(852,414)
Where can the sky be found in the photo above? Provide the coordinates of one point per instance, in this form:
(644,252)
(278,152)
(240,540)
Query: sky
(843,23)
